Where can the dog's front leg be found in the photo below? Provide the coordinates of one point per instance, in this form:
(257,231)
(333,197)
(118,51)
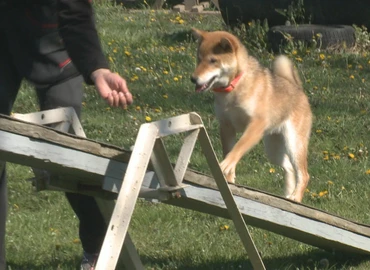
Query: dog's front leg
(228,139)
(251,136)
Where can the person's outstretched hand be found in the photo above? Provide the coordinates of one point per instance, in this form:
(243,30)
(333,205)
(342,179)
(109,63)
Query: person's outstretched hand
(112,87)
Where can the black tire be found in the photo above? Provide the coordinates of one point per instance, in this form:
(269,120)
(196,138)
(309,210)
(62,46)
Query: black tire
(331,35)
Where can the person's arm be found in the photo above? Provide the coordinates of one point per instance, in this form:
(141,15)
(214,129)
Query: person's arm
(78,31)
(79,34)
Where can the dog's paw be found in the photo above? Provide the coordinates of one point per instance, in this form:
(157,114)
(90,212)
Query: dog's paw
(294,197)
(228,170)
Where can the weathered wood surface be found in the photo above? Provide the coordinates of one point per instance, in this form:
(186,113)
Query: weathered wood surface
(88,159)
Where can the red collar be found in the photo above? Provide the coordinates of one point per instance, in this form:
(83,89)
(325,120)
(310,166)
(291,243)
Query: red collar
(231,86)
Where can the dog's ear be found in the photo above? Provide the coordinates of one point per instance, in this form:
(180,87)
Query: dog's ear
(197,34)
(227,45)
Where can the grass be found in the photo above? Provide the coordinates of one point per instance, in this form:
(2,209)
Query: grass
(156,54)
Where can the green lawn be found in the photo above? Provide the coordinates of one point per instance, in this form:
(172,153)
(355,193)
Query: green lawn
(156,54)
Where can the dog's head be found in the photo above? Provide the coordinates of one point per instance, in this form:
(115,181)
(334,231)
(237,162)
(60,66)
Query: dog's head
(216,59)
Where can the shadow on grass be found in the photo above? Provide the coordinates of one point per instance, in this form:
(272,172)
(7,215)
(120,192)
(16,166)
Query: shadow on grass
(71,264)
(177,37)
(314,260)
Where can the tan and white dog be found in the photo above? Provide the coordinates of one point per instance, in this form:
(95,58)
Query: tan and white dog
(257,102)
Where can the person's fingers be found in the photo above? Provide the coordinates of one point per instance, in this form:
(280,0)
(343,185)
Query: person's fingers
(129,99)
(122,100)
(109,99)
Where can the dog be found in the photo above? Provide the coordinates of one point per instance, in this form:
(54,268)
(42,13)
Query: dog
(257,102)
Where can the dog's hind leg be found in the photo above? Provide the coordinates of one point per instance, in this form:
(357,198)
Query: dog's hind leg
(277,154)
(297,149)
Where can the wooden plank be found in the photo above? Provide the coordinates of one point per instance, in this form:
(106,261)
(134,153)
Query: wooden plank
(282,203)
(291,225)
(127,197)
(198,181)
(47,134)
(129,257)
(229,202)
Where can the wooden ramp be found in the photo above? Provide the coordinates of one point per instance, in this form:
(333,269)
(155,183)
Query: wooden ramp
(97,169)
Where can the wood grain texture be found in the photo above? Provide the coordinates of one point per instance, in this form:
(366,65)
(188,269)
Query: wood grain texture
(262,209)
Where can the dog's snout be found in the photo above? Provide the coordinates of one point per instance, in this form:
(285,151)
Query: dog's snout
(193,79)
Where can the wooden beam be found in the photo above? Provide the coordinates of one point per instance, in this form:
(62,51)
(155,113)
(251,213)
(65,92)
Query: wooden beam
(32,145)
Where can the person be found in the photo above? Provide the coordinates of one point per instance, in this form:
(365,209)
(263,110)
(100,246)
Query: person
(54,45)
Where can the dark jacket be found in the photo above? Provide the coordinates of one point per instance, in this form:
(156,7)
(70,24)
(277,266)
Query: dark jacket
(77,28)
(51,31)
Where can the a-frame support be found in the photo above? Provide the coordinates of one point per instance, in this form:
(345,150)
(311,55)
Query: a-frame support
(66,120)
(149,148)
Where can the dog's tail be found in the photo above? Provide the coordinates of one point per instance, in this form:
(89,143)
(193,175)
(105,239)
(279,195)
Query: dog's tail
(284,67)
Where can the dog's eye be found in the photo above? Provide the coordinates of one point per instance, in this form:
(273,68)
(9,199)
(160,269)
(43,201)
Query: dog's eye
(213,60)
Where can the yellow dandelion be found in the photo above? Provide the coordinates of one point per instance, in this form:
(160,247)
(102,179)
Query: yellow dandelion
(175,79)
(351,156)
(249,23)
(127,53)
(224,227)
(337,157)
(343,188)
(307,190)
(138,108)
(181,21)
(349,66)
(110,59)
(367,172)
(83,104)
(115,50)
(299,59)
(330,182)
(326,157)
(318,131)
(352,77)
(165,96)
(109,43)
(315,88)
(294,52)
(148,118)
(272,170)
(76,241)
(322,56)
(323,193)
(157,110)
(165,72)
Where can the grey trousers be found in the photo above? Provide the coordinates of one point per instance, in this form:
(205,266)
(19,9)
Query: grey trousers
(37,56)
